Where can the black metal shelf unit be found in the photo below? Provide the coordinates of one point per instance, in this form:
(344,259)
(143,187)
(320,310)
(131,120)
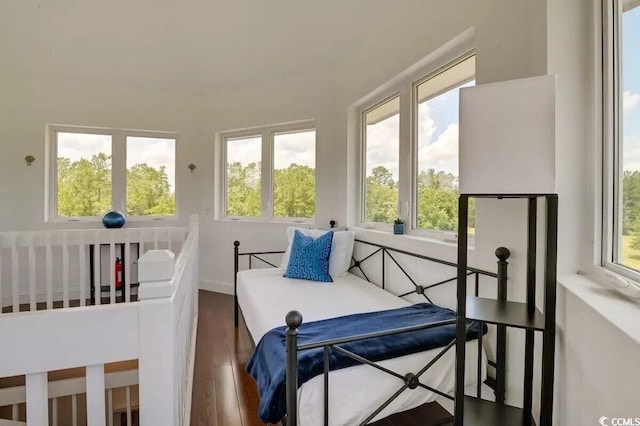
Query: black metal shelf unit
(470,411)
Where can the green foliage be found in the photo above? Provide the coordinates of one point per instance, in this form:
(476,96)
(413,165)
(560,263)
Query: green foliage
(437,199)
(243,190)
(148,192)
(294,192)
(381,196)
(84,188)
(631,207)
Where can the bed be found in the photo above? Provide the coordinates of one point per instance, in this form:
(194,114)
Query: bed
(265,297)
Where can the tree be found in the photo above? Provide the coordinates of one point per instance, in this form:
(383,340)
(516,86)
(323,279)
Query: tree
(438,201)
(243,189)
(381,196)
(294,190)
(149,192)
(84,186)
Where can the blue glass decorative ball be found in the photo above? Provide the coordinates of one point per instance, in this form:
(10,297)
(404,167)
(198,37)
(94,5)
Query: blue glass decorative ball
(113,219)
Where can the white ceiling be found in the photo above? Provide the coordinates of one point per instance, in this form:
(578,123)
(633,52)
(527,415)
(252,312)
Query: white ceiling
(193,45)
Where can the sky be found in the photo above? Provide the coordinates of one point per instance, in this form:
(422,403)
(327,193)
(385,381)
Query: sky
(155,152)
(289,148)
(631,89)
(437,137)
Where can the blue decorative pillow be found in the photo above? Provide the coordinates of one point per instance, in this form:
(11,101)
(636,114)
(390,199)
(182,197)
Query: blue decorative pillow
(309,258)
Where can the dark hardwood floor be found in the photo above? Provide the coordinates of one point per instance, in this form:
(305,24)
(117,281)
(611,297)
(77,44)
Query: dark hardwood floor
(225,395)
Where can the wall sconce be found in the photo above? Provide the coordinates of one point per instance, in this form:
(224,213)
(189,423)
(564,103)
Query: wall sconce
(29,159)
(192,167)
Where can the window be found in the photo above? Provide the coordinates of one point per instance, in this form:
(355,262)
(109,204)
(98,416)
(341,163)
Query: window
(244,188)
(382,142)
(410,150)
(437,139)
(294,176)
(96,170)
(622,134)
(270,172)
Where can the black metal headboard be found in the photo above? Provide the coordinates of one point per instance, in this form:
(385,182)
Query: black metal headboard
(383,252)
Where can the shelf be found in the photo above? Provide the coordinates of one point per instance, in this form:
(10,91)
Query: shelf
(513,314)
(479,412)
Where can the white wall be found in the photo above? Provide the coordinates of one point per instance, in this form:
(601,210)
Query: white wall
(513,39)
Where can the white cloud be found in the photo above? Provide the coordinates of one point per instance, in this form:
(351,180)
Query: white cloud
(629,101)
(244,151)
(295,148)
(442,154)
(154,152)
(631,153)
(76,146)
(383,145)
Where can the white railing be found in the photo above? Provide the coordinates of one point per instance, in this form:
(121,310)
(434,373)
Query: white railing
(47,269)
(159,331)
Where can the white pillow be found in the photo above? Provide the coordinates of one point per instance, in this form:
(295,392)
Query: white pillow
(341,249)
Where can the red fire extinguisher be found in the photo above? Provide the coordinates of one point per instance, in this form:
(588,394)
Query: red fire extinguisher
(118,273)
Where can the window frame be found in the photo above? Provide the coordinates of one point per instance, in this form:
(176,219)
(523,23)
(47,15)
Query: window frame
(611,113)
(363,161)
(405,86)
(118,170)
(267,135)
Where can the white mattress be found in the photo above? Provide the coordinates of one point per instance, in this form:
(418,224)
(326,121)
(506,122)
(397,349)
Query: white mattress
(265,297)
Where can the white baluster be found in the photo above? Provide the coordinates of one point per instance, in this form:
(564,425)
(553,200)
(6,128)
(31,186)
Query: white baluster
(54,412)
(37,401)
(65,270)
(74,410)
(95,395)
(110,407)
(112,272)
(15,273)
(49,271)
(82,259)
(128,402)
(97,279)
(32,273)
(127,267)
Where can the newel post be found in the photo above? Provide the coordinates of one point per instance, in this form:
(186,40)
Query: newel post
(157,339)
(155,274)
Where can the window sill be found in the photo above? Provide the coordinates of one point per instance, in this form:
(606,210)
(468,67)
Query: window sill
(283,221)
(389,235)
(620,310)
(449,241)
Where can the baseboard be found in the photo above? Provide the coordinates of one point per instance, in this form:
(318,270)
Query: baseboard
(216,286)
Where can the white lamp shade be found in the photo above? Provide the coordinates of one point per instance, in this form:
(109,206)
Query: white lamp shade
(507,137)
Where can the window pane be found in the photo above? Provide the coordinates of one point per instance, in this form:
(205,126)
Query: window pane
(243,177)
(294,174)
(437,126)
(151,176)
(630,138)
(84,174)
(382,147)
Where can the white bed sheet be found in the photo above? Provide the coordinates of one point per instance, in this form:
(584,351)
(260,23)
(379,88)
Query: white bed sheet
(265,297)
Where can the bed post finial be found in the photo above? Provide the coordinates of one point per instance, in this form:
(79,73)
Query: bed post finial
(502,253)
(332,223)
(236,244)
(293,320)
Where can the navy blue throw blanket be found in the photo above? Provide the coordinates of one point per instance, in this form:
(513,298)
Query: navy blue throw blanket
(268,362)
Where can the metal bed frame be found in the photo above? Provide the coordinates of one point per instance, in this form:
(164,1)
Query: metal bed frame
(410,381)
